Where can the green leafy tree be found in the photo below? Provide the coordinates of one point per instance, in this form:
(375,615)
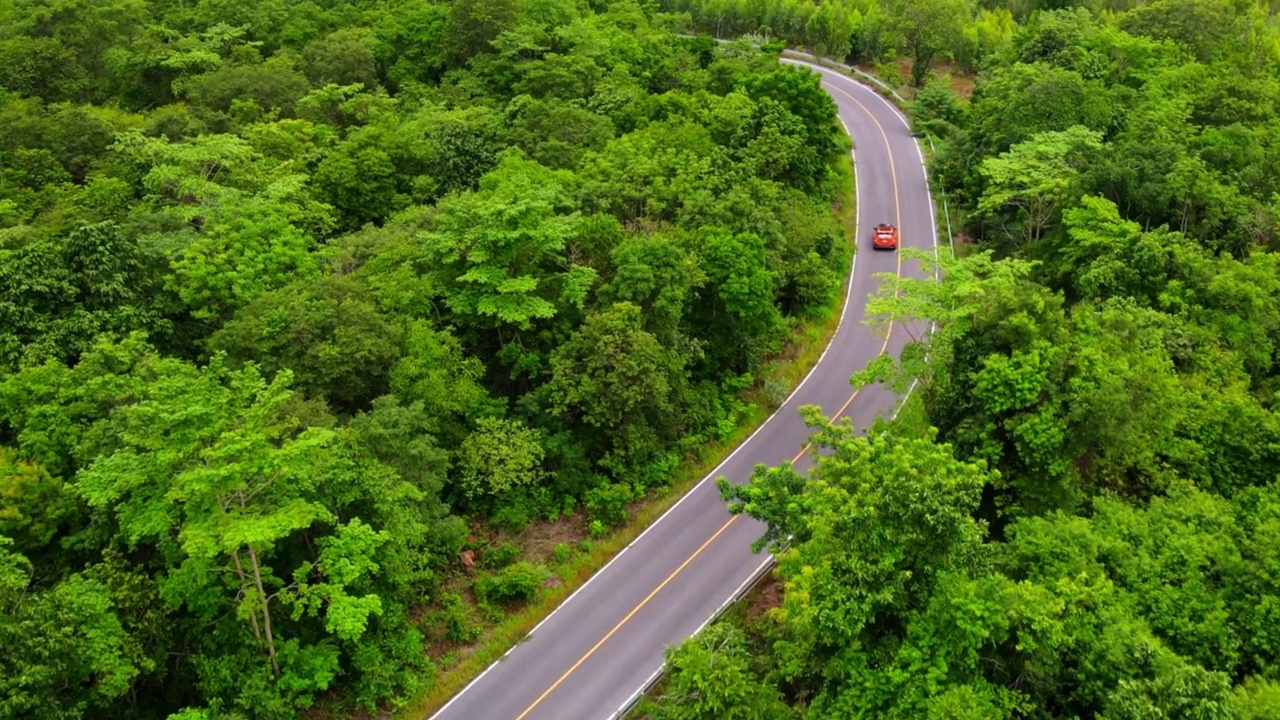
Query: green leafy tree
(1037,177)
(615,379)
(344,57)
(800,92)
(471,26)
(246,246)
(327,332)
(65,652)
(829,30)
(937,109)
(660,276)
(411,46)
(41,67)
(35,509)
(498,457)
(57,295)
(436,374)
(744,321)
(271,85)
(1203,27)
(361,181)
(863,542)
(558,134)
(499,255)
(927,29)
(711,677)
(231,508)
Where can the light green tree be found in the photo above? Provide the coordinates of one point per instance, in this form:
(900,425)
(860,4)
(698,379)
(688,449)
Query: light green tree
(213,470)
(500,250)
(65,652)
(1037,177)
(710,677)
(499,456)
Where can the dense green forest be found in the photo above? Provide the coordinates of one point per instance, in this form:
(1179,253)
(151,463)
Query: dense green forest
(302,301)
(1079,514)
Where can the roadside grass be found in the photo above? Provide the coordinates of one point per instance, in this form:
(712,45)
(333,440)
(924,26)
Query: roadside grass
(462,663)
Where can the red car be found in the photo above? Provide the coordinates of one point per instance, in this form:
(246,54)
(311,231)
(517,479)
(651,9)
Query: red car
(885,237)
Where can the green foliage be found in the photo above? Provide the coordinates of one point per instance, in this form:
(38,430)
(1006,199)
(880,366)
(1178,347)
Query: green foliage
(712,677)
(926,28)
(500,555)
(459,627)
(560,553)
(327,331)
(56,295)
(608,503)
(500,249)
(937,110)
(294,299)
(621,384)
(515,583)
(64,649)
(737,269)
(1037,177)
(499,457)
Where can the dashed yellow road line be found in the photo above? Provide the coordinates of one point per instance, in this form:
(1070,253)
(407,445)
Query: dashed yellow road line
(624,620)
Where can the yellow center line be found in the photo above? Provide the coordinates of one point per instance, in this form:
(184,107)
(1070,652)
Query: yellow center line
(624,620)
(898,214)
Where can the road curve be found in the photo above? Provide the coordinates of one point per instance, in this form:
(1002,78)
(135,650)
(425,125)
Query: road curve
(590,658)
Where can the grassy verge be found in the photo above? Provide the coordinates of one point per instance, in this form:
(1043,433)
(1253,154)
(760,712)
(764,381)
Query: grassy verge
(800,355)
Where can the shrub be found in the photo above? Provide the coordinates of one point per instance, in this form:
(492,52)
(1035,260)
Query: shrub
(608,503)
(517,509)
(776,391)
(500,555)
(514,514)
(455,616)
(561,553)
(517,582)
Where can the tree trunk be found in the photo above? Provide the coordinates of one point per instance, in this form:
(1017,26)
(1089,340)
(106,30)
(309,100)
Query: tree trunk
(244,582)
(239,570)
(920,67)
(266,611)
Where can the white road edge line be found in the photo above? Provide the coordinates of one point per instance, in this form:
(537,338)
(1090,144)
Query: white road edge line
(844,310)
(735,597)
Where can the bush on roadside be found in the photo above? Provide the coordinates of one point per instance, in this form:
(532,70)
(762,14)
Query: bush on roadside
(608,503)
(517,582)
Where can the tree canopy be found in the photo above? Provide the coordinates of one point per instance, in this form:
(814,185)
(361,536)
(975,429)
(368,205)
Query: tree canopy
(307,311)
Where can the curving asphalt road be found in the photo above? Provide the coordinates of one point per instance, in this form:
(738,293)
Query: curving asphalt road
(591,657)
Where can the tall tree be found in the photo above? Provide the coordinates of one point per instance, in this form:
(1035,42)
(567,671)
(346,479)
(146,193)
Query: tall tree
(928,28)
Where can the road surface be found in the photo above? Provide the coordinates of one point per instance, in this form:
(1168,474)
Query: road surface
(591,657)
